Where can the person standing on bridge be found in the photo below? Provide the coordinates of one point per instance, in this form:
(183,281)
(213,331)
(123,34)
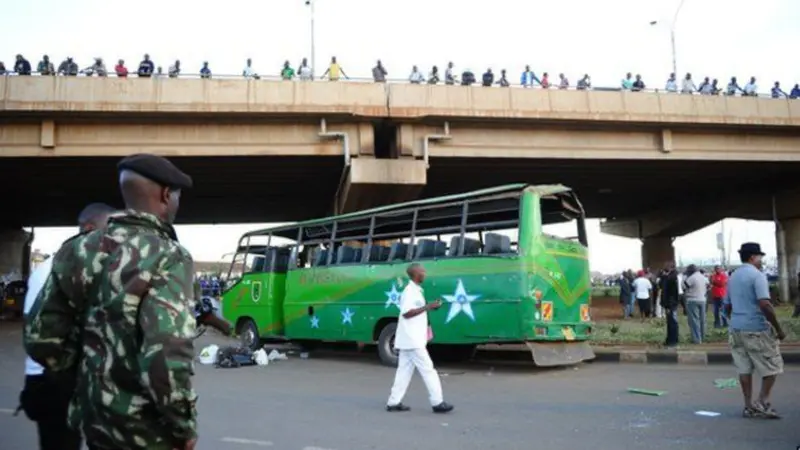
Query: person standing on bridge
(754,331)
(127,291)
(411,341)
(44,400)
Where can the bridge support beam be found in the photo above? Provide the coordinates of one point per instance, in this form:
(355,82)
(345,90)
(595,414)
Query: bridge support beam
(373,182)
(15,251)
(789,253)
(657,252)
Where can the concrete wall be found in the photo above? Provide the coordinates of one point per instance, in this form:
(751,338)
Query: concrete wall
(49,138)
(495,141)
(401,101)
(189,95)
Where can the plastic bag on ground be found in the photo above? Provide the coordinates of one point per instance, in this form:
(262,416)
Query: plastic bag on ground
(275,355)
(209,354)
(261,357)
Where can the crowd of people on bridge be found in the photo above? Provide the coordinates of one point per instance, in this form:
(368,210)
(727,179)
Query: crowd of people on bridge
(335,72)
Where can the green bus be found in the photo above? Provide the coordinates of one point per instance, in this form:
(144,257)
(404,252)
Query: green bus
(502,280)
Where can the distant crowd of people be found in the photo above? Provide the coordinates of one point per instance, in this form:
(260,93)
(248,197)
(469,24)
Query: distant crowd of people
(334,72)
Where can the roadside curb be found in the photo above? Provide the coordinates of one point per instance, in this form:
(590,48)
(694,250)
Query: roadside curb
(683,357)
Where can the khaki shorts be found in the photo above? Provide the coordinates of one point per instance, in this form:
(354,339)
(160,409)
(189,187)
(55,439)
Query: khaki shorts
(756,351)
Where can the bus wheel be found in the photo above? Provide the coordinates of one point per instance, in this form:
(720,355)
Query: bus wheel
(249,334)
(386,350)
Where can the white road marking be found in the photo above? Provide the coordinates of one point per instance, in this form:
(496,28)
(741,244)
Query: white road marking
(6,411)
(316,448)
(234,440)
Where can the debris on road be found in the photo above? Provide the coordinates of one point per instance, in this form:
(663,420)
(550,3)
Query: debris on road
(707,413)
(726,383)
(275,355)
(208,355)
(646,392)
(261,357)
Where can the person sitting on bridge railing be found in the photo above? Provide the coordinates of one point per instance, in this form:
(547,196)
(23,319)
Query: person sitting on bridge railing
(585,83)
(488,78)
(467,78)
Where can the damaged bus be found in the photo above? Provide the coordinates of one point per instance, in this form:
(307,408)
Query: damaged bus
(501,278)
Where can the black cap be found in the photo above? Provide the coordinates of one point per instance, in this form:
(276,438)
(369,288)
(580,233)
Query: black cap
(156,168)
(751,248)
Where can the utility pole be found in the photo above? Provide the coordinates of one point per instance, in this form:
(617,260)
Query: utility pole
(310,4)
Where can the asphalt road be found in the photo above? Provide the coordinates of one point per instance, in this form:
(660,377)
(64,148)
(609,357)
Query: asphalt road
(336,403)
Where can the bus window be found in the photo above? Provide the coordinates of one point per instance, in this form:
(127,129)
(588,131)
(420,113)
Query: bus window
(563,218)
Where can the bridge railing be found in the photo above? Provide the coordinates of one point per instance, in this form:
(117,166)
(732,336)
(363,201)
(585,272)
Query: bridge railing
(318,79)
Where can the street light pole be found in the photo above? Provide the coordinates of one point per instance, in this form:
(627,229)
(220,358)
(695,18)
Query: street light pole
(310,4)
(672,37)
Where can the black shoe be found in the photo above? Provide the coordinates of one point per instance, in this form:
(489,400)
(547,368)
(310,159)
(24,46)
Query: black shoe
(442,408)
(397,408)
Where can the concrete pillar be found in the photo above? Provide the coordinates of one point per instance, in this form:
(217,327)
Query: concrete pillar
(657,252)
(790,254)
(376,182)
(14,247)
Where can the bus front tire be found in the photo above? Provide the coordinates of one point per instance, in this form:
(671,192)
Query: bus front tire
(386,351)
(249,333)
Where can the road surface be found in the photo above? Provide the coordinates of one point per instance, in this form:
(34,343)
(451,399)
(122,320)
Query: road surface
(337,403)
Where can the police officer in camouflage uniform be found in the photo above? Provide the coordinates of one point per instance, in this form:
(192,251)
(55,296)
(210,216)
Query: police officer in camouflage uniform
(117,314)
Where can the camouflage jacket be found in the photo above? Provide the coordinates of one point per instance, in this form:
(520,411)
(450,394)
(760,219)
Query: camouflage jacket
(120,301)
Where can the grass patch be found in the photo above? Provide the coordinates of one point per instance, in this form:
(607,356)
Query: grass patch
(654,331)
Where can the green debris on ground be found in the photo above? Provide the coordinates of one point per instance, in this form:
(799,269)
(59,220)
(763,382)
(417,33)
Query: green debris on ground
(646,392)
(726,383)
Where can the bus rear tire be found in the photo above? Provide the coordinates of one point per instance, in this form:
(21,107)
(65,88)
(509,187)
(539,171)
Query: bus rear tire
(386,350)
(249,333)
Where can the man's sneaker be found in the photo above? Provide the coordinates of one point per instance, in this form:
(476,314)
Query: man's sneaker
(442,408)
(397,408)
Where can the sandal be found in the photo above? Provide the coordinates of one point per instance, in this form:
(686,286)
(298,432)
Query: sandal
(768,411)
(753,412)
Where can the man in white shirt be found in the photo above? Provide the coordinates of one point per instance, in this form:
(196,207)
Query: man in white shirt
(642,287)
(44,401)
(411,340)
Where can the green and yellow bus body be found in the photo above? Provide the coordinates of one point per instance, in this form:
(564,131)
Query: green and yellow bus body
(501,279)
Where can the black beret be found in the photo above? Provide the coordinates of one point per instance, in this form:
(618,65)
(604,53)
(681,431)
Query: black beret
(156,168)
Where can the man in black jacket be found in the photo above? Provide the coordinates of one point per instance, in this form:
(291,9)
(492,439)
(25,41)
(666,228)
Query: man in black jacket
(669,301)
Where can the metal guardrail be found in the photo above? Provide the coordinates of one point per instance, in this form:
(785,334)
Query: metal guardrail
(296,78)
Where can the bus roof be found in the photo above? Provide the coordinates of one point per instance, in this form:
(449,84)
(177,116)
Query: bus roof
(542,189)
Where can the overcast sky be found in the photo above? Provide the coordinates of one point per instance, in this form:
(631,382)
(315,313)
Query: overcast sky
(716,38)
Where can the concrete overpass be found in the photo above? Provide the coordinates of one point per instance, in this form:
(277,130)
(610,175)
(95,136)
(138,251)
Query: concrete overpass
(655,166)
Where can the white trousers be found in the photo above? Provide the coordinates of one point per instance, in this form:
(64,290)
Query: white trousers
(419,359)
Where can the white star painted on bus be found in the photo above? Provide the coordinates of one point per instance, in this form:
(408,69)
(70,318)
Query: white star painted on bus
(347,316)
(314,322)
(393,297)
(460,301)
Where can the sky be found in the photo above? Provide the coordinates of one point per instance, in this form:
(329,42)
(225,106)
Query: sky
(716,38)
